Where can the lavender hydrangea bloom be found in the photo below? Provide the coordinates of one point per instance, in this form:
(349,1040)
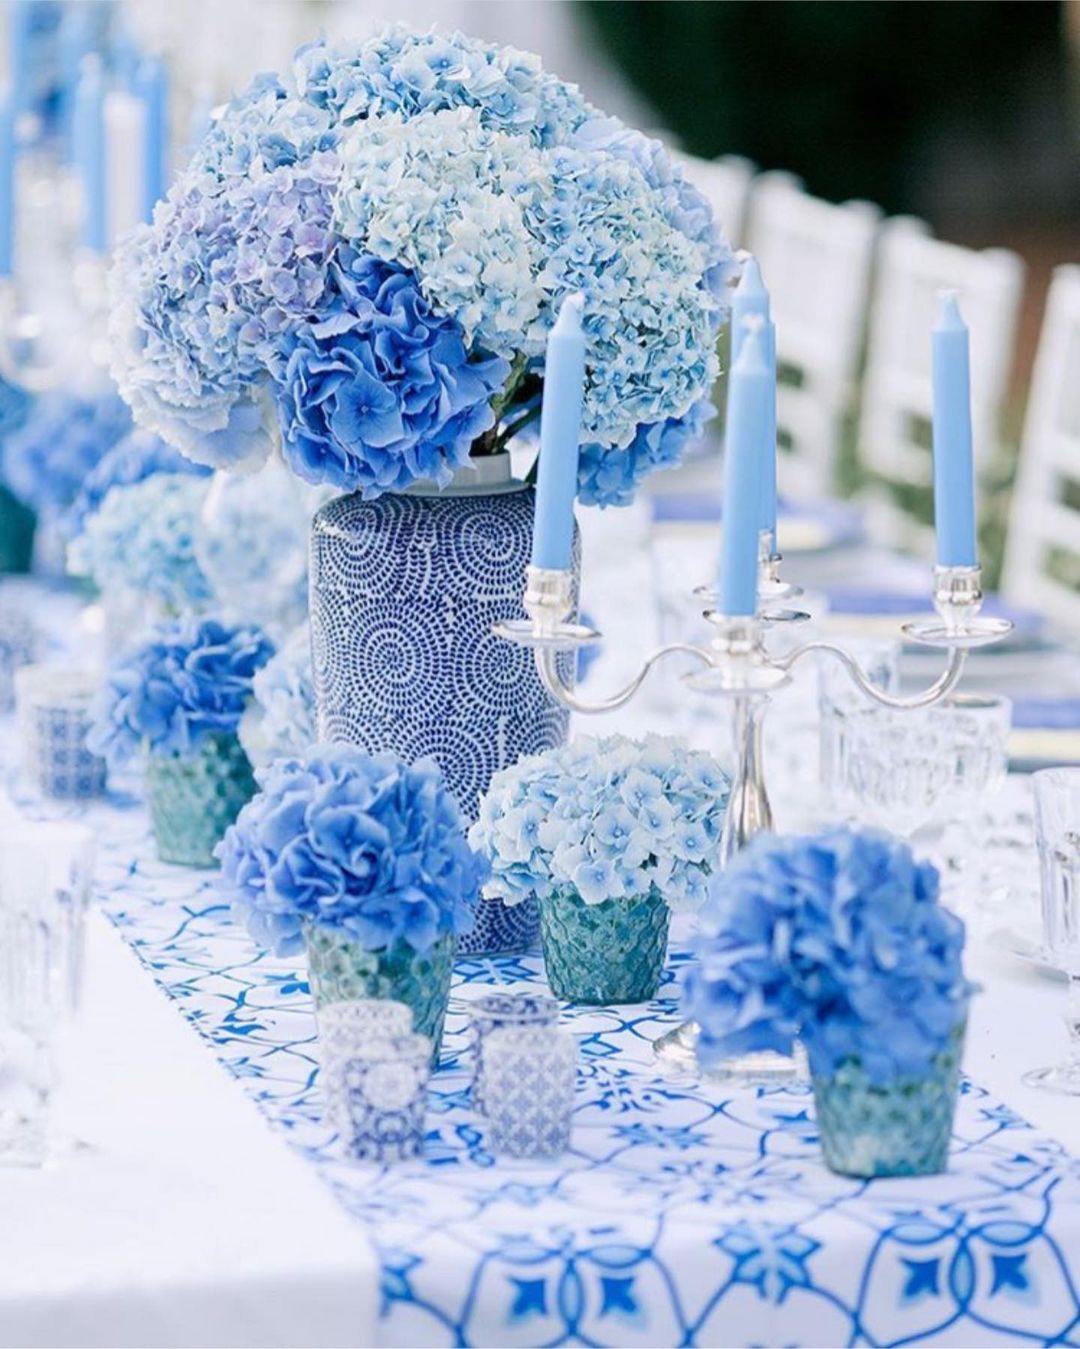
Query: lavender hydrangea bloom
(609,817)
(364,845)
(384,392)
(138,456)
(192,678)
(839,939)
(46,460)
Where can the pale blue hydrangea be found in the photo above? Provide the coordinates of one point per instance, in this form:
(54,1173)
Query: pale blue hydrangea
(609,818)
(444,196)
(45,460)
(280,722)
(142,539)
(138,456)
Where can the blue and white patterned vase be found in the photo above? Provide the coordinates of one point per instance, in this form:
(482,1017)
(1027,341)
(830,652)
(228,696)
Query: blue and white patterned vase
(900,1129)
(404,593)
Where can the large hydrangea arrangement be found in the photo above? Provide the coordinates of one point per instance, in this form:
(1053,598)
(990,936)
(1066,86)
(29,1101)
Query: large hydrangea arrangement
(838,939)
(608,818)
(280,723)
(136,457)
(62,438)
(364,256)
(191,679)
(142,539)
(366,846)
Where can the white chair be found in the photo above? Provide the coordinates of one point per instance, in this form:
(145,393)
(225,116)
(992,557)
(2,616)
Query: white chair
(894,438)
(725,185)
(1042,554)
(815,259)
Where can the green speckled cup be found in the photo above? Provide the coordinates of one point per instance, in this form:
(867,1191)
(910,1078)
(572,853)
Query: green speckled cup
(604,953)
(340,970)
(193,801)
(897,1130)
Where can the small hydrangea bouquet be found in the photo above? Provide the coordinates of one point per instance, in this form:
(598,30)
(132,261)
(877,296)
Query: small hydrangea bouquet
(142,538)
(362,845)
(838,939)
(190,681)
(365,255)
(608,818)
(46,460)
(280,723)
(133,459)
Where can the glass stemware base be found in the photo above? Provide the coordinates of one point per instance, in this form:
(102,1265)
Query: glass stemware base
(676,1052)
(1063,1078)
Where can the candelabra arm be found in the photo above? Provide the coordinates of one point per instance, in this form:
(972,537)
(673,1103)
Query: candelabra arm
(547,668)
(940,688)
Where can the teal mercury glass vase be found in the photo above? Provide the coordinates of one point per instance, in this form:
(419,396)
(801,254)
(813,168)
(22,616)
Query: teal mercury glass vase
(340,969)
(16,534)
(899,1129)
(194,800)
(611,952)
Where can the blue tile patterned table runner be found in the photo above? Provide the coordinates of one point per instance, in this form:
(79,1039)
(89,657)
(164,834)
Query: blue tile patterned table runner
(685,1213)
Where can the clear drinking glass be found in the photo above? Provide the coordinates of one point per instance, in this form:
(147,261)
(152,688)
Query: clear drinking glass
(45,874)
(840,698)
(910,770)
(1057,835)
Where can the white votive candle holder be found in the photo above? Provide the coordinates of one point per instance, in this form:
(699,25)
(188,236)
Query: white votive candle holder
(495,1011)
(377,1096)
(53,709)
(530,1075)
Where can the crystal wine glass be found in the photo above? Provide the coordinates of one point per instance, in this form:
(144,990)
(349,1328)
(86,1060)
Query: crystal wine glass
(1057,833)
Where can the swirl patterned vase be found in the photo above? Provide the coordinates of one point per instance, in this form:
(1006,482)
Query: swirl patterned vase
(340,970)
(193,801)
(612,952)
(902,1129)
(404,592)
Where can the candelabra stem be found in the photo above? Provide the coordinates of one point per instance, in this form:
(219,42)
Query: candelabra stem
(748,810)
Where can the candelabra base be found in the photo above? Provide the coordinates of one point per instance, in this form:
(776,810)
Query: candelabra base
(676,1055)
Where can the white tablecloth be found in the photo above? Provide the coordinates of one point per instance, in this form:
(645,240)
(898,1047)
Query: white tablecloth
(185,1220)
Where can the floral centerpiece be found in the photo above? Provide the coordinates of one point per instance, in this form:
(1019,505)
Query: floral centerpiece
(608,836)
(360,265)
(839,939)
(280,722)
(176,700)
(141,541)
(362,860)
(138,456)
(46,459)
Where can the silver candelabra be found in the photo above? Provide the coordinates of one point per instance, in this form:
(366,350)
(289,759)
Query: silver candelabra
(736,665)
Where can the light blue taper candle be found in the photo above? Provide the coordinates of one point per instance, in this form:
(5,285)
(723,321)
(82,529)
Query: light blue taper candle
(89,139)
(747,423)
(954,474)
(152,85)
(9,159)
(751,300)
(75,41)
(560,433)
(20,52)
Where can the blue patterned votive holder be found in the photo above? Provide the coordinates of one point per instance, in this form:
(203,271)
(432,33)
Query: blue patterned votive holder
(344,1025)
(53,709)
(376,1094)
(19,645)
(495,1011)
(530,1074)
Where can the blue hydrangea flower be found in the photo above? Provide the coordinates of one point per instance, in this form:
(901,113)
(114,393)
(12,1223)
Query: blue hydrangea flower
(280,723)
(838,939)
(143,538)
(61,440)
(138,456)
(384,391)
(493,189)
(363,845)
(192,678)
(609,818)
